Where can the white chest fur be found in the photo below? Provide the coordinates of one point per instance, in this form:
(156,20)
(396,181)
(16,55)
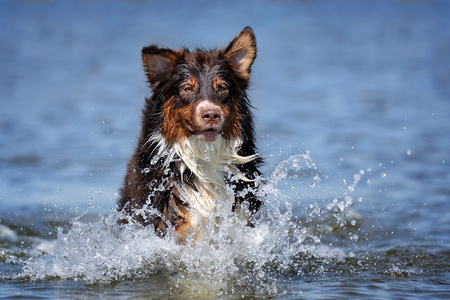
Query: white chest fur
(213,164)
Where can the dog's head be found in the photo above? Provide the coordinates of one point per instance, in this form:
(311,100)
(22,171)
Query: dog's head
(202,93)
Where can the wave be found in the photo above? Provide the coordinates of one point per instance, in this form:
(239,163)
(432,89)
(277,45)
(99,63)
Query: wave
(232,258)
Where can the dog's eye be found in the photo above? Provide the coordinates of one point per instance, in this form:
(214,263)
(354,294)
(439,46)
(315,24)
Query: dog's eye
(221,88)
(188,89)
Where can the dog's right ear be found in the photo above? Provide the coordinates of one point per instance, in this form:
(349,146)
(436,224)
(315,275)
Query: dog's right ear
(157,61)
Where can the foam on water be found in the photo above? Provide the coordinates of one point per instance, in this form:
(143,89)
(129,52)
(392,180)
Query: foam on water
(232,258)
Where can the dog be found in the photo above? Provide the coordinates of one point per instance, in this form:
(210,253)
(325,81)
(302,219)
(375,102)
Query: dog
(196,153)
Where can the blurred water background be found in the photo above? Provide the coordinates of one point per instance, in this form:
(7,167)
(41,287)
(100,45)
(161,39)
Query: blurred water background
(352,102)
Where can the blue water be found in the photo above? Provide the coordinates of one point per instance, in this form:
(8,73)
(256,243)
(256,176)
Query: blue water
(352,102)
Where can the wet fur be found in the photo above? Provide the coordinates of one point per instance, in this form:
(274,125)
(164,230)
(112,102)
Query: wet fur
(170,184)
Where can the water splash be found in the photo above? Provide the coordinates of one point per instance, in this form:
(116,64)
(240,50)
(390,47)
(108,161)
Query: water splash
(231,259)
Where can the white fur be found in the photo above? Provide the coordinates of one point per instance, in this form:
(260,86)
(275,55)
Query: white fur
(212,163)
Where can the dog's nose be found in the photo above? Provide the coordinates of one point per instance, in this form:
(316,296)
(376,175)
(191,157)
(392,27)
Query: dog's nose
(211,115)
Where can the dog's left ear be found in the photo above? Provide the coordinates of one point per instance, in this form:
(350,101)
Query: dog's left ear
(241,52)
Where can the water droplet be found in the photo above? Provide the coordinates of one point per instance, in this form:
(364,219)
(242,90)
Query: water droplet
(354,237)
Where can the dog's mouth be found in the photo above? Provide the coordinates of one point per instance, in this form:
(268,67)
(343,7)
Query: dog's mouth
(207,135)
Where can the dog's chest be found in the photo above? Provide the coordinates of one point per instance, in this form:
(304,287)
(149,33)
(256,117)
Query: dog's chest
(211,193)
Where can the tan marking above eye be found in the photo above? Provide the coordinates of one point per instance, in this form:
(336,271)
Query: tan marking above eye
(219,85)
(191,85)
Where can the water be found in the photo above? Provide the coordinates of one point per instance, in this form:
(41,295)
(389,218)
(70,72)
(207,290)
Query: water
(352,103)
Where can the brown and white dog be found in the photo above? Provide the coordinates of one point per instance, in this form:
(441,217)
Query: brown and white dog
(196,153)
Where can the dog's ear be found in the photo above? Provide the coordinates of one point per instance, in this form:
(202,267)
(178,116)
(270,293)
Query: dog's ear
(241,52)
(157,61)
